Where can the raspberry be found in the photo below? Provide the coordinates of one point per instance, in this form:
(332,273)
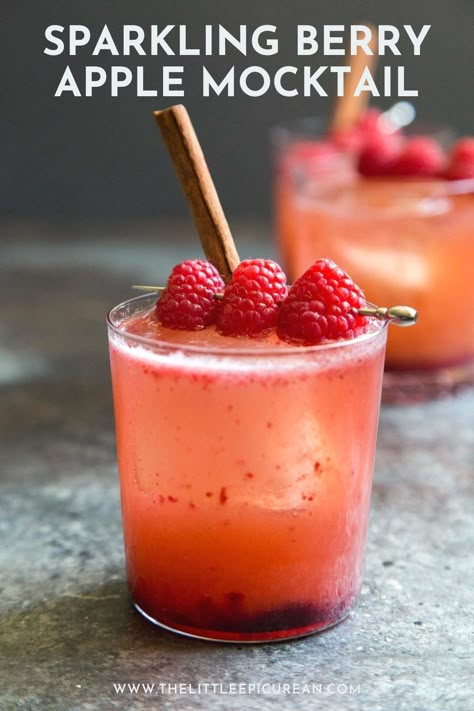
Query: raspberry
(350,140)
(379,155)
(420,157)
(371,122)
(460,169)
(464,149)
(375,123)
(461,161)
(321,304)
(188,302)
(372,126)
(252,298)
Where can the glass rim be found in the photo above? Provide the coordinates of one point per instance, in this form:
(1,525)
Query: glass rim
(294,128)
(264,351)
(305,126)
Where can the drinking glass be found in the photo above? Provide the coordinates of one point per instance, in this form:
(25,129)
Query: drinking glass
(245,477)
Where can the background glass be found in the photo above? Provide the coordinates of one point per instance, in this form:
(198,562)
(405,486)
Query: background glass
(403,240)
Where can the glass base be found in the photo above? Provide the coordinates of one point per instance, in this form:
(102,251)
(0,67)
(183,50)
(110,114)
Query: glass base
(402,387)
(246,637)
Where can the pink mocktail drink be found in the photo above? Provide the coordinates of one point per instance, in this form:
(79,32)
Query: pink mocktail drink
(246,471)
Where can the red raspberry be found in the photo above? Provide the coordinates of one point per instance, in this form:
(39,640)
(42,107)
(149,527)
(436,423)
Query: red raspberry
(372,126)
(252,298)
(461,161)
(420,157)
(189,302)
(321,304)
(349,140)
(371,122)
(375,123)
(379,155)
(461,169)
(464,148)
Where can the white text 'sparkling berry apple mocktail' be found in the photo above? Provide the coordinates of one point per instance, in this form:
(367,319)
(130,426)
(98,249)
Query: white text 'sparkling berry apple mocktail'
(246,471)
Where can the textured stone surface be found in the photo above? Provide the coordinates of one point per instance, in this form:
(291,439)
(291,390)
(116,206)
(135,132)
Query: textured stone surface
(67,631)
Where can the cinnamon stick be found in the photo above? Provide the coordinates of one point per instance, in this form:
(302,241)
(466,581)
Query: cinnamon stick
(349,108)
(190,165)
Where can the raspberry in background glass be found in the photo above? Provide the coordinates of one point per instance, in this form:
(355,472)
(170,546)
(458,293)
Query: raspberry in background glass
(397,212)
(246,460)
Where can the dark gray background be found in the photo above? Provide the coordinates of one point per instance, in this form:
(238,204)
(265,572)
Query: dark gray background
(68,157)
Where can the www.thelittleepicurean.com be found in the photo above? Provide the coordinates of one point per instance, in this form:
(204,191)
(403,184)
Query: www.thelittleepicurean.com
(235,689)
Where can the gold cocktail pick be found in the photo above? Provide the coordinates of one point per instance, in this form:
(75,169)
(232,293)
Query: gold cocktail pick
(398,315)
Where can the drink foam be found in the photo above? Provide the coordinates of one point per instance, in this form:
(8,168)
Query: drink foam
(142,339)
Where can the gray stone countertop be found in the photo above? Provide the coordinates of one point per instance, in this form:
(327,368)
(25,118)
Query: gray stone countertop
(68,633)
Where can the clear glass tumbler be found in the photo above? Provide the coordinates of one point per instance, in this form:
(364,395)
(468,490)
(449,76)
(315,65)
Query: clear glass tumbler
(246,476)
(403,240)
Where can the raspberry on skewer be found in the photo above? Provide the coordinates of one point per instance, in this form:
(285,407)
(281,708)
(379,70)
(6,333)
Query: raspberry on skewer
(252,298)
(188,301)
(322,304)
